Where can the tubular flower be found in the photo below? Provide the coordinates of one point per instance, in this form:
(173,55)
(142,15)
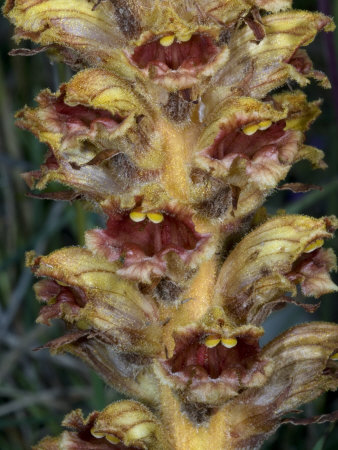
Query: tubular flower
(171,131)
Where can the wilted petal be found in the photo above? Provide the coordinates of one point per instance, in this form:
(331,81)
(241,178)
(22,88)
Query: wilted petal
(93,298)
(302,358)
(91,34)
(312,272)
(257,270)
(97,130)
(285,33)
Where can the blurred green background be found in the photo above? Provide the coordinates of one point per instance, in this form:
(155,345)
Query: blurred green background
(36,389)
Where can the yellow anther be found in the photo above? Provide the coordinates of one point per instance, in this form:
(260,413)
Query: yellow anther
(264,125)
(155,217)
(61,283)
(166,41)
(137,216)
(96,434)
(250,129)
(184,37)
(212,341)
(112,439)
(314,245)
(229,342)
(334,357)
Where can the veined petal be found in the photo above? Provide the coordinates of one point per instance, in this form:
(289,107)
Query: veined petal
(264,264)
(128,372)
(97,130)
(302,371)
(123,425)
(132,423)
(92,34)
(274,5)
(93,298)
(285,33)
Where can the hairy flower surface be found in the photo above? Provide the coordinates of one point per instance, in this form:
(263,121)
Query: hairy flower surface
(171,131)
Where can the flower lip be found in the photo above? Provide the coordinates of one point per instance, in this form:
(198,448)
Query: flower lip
(137,238)
(247,141)
(193,54)
(79,119)
(192,358)
(58,296)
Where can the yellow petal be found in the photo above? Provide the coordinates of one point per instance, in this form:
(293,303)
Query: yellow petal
(212,341)
(250,129)
(137,216)
(314,245)
(155,217)
(229,342)
(112,439)
(264,125)
(166,41)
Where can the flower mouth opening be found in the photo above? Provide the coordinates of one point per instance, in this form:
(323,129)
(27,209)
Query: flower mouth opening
(192,54)
(58,296)
(141,240)
(247,141)
(80,119)
(151,234)
(193,358)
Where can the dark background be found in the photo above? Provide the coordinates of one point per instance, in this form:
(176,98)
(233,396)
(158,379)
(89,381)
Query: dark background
(37,389)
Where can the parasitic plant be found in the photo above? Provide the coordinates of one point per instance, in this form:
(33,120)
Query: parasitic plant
(174,129)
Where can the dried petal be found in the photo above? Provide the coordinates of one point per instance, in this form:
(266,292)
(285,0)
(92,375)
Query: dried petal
(93,298)
(95,126)
(301,356)
(285,33)
(260,269)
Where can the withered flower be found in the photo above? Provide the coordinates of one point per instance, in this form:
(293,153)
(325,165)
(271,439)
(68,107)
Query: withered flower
(171,131)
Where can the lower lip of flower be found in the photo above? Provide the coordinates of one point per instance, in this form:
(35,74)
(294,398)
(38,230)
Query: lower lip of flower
(193,54)
(237,143)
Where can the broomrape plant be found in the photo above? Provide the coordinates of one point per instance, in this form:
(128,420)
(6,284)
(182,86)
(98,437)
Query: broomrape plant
(173,129)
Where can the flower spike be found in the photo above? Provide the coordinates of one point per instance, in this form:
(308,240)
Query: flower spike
(176,128)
